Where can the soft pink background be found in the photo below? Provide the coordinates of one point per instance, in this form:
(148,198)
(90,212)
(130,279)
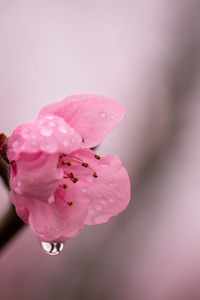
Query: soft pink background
(145,55)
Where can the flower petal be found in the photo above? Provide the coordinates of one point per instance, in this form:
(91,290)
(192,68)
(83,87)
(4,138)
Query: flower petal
(51,222)
(33,150)
(104,182)
(91,116)
(36,175)
(49,134)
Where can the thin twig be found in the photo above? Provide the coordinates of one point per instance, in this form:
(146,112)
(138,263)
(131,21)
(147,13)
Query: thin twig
(10,224)
(4,169)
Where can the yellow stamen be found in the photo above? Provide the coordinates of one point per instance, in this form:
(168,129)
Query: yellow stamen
(70,175)
(97,156)
(75,180)
(85,165)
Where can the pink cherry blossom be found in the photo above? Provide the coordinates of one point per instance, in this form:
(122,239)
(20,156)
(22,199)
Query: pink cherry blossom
(57,183)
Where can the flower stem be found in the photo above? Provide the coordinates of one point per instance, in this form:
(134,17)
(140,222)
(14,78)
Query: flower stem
(4,169)
(10,224)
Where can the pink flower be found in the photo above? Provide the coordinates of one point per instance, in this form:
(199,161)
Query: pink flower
(57,183)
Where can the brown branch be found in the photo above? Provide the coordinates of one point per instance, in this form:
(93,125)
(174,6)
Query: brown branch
(4,172)
(10,224)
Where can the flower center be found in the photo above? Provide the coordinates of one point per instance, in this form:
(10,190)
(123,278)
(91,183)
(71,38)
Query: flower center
(74,167)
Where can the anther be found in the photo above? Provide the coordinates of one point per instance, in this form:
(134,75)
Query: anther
(97,156)
(95,174)
(83,140)
(65,186)
(69,163)
(64,154)
(85,165)
(70,203)
(63,163)
(70,175)
(75,180)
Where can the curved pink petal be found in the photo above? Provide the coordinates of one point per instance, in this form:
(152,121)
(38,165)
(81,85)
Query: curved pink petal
(51,222)
(33,150)
(36,175)
(103,181)
(92,116)
(49,134)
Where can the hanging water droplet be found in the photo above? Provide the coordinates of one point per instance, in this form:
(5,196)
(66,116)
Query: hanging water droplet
(52,248)
(103,115)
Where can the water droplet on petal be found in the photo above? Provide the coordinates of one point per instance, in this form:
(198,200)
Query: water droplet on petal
(101,218)
(49,117)
(51,123)
(104,164)
(84,190)
(111,200)
(98,207)
(65,142)
(15,143)
(49,145)
(46,131)
(25,133)
(52,248)
(62,128)
(103,115)
(104,202)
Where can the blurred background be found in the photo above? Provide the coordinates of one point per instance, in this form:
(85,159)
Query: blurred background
(145,55)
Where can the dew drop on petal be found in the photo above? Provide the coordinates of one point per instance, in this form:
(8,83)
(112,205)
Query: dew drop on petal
(102,218)
(62,128)
(98,207)
(65,142)
(104,202)
(15,143)
(46,131)
(49,117)
(49,145)
(103,115)
(52,248)
(51,123)
(111,200)
(104,164)
(90,179)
